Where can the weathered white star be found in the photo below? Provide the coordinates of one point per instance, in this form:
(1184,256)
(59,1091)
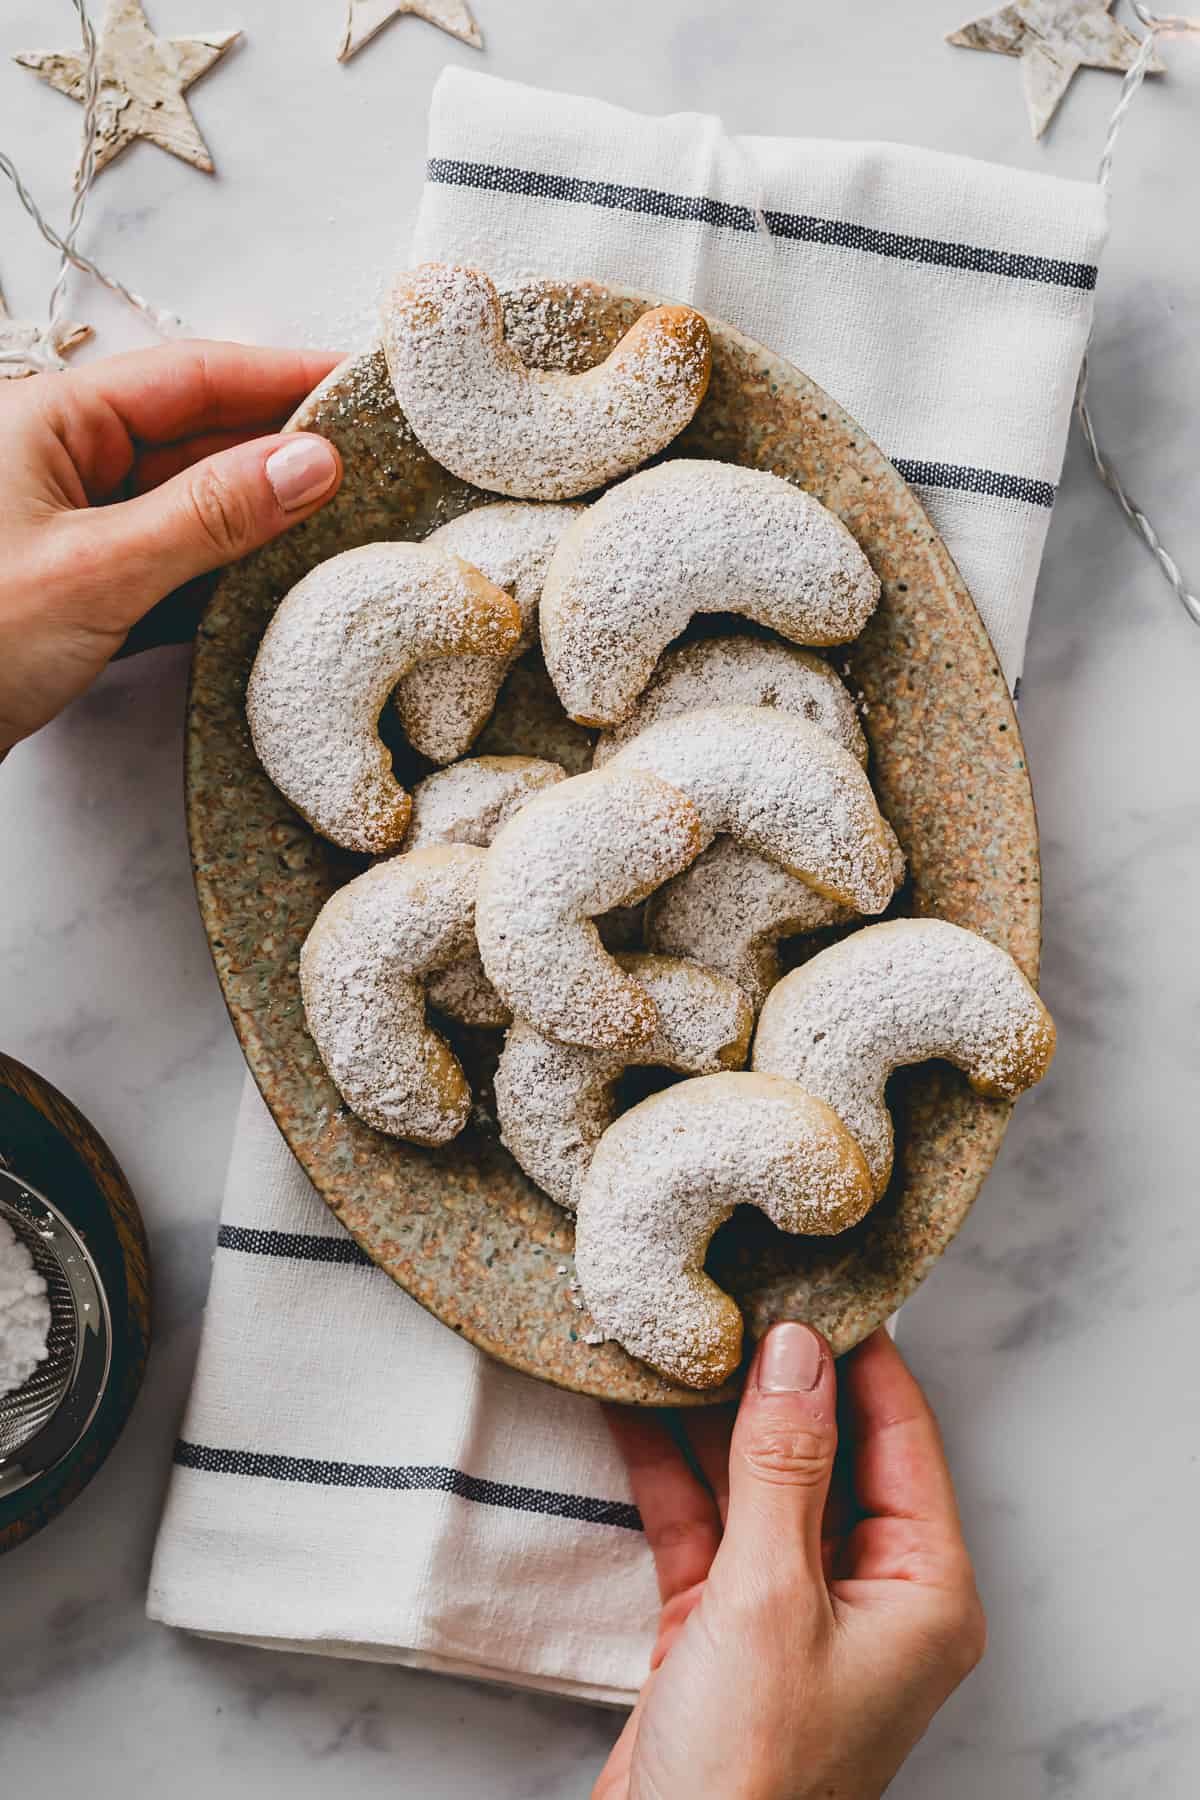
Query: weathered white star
(365,17)
(143,79)
(1053,38)
(26,347)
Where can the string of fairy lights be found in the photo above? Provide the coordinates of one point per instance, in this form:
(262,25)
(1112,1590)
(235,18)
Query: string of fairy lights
(42,348)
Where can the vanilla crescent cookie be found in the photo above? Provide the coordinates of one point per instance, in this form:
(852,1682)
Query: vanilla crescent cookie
(555,1101)
(687,538)
(362,970)
(668,1173)
(731,908)
(781,787)
(573,852)
(740,671)
(899,993)
(537,434)
(335,648)
(729,911)
(463,992)
(469,802)
(443,705)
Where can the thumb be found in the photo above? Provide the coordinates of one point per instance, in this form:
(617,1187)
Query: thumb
(208,515)
(781,1457)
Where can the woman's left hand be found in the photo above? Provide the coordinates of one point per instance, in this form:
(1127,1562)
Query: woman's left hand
(121,482)
(815,1612)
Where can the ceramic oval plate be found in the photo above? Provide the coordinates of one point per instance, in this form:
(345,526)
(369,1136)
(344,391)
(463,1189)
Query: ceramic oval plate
(461,1228)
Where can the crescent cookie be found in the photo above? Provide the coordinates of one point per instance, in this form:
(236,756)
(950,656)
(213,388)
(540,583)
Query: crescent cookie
(331,655)
(555,1101)
(362,969)
(687,538)
(731,908)
(537,434)
(781,787)
(444,705)
(463,992)
(668,1173)
(729,911)
(572,852)
(898,993)
(469,802)
(740,671)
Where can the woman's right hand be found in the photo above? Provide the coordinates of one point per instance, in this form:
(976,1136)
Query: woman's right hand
(814,1616)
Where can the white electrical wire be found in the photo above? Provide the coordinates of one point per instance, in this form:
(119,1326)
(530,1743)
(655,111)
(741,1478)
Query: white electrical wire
(1157,25)
(44,353)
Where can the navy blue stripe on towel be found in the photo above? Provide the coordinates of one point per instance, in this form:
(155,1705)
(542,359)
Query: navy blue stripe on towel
(304,1246)
(409,1479)
(805,228)
(976,481)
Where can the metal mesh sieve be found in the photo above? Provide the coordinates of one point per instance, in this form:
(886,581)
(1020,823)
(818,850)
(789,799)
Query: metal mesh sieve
(47,1415)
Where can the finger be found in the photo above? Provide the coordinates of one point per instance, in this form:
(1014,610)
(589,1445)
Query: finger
(679,1516)
(176,390)
(675,1615)
(161,462)
(899,1463)
(208,516)
(908,1528)
(158,396)
(710,1432)
(782,1458)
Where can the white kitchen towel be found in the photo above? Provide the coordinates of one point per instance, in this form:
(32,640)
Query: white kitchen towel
(353,1478)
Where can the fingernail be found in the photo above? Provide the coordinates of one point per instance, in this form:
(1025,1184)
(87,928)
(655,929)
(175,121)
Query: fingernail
(301,471)
(790,1360)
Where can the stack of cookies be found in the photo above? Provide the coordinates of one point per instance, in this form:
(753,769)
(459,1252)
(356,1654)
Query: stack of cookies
(621,898)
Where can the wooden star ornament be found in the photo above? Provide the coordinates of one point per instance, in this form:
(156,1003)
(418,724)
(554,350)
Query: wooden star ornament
(26,347)
(143,79)
(366,17)
(1053,38)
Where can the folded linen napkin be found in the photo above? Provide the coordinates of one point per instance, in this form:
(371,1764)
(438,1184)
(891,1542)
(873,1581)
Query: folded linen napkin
(353,1478)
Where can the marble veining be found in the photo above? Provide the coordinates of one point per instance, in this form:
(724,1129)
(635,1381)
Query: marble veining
(1057,1337)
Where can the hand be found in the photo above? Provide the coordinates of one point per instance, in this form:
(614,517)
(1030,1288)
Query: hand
(178,430)
(814,1616)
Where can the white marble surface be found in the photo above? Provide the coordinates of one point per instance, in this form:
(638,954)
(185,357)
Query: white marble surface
(1056,1337)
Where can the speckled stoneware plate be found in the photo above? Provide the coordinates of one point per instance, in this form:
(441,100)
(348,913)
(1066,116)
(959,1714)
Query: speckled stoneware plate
(461,1228)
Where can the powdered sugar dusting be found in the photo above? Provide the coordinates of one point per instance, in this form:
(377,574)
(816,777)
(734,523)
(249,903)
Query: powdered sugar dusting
(741,671)
(782,787)
(443,705)
(24,1313)
(337,645)
(668,1173)
(729,911)
(361,973)
(469,802)
(463,992)
(685,538)
(572,852)
(899,993)
(538,434)
(555,1101)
